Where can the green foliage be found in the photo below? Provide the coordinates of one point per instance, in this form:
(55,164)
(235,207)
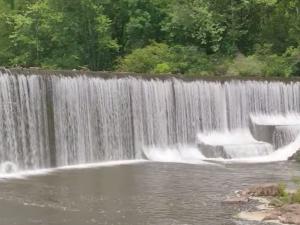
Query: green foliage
(276,66)
(190,60)
(44,35)
(192,22)
(197,37)
(246,66)
(282,190)
(296,197)
(152,58)
(162,68)
(161,58)
(285,197)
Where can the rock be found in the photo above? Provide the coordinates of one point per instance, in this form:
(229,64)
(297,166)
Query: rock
(273,215)
(276,202)
(236,200)
(290,218)
(296,156)
(265,190)
(287,214)
(243,192)
(252,216)
(293,208)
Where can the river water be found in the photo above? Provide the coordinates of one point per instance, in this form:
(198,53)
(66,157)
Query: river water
(134,194)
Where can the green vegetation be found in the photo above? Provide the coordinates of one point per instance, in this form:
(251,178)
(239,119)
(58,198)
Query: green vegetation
(191,37)
(286,197)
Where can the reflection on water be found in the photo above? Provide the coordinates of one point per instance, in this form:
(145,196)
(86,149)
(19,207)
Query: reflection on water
(137,194)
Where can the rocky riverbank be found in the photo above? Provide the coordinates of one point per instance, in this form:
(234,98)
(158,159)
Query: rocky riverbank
(268,207)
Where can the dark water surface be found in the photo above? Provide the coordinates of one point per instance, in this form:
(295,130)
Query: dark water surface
(137,194)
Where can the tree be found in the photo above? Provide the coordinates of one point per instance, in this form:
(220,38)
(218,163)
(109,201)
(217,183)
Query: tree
(191,21)
(136,23)
(44,35)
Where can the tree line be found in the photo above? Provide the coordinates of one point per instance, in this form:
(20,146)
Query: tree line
(191,37)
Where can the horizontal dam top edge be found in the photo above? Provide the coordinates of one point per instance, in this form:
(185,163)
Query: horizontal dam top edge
(144,76)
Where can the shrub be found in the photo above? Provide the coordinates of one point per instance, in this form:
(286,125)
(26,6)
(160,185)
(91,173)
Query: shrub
(162,68)
(190,60)
(276,66)
(152,58)
(295,198)
(282,190)
(246,66)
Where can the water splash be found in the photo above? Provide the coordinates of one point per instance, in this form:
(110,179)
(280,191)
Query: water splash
(8,168)
(178,153)
(281,154)
(232,144)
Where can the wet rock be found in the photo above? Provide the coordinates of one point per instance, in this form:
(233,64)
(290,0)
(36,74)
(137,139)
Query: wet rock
(264,190)
(276,202)
(294,208)
(242,192)
(296,156)
(290,218)
(272,215)
(287,214)
(236,200)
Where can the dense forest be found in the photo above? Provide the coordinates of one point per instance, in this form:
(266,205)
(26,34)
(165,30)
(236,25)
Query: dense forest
(191,37)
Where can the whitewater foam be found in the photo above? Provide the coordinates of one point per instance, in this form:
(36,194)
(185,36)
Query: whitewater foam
(177,153)
(38,172)
(279,155)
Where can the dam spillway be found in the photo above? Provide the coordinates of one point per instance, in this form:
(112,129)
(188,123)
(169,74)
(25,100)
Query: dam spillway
(53,121)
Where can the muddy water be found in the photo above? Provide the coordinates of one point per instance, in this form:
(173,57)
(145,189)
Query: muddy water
(137,194)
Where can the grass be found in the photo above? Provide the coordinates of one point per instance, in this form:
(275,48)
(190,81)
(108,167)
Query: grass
(285,197)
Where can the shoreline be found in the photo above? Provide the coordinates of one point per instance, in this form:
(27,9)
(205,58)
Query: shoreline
(268,208)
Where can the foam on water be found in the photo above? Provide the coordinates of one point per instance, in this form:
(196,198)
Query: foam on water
(8,167)
(29,173)
(178,153)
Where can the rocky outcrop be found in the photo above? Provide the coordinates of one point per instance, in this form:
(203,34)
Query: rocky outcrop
(283,214)
(264,190)
(244,196)
(287,214)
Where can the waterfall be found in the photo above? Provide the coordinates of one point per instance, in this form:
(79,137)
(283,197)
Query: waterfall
(49,120)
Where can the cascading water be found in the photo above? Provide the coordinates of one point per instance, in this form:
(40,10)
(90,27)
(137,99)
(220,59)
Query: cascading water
(52,121)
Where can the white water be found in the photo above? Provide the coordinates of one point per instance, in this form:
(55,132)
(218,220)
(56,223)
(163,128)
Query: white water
(281,154)
(179,153)
(54,121)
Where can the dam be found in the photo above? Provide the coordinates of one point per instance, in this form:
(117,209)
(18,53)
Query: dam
(50,120)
